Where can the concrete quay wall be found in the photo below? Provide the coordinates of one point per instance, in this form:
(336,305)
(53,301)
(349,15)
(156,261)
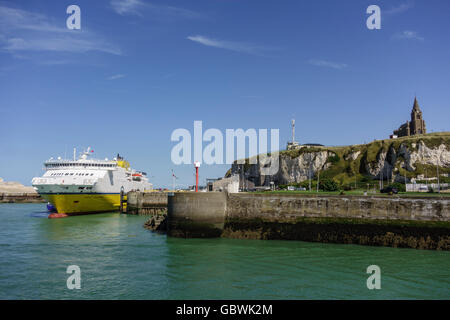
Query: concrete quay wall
(422,223)
(196,214)
(146,203)
(289,207)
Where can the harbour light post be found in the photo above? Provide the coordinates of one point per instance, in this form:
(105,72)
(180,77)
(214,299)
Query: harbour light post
(196,165)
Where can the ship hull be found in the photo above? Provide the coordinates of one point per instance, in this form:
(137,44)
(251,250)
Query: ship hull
(76,204)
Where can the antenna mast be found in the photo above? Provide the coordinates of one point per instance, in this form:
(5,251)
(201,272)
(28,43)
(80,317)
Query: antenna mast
(293,130)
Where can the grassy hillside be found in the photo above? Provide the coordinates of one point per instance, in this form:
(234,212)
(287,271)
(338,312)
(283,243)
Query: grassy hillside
(346,171)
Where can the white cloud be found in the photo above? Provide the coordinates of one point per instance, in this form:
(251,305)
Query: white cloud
(60,44)
(399,9)
(327,64)
(230,45)
(115,77)
(407,34)
(16,19)
(124,7)
(55,62)
(22,31)
(138,8)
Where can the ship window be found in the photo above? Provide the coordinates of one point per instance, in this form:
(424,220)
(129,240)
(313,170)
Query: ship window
(92,174)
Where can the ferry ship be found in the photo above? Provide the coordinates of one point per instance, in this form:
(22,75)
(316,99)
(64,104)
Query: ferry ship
(87,185)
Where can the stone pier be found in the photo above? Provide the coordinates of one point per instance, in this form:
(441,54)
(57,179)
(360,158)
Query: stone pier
(422,223)
(146,203)
(196,215)
(20,198)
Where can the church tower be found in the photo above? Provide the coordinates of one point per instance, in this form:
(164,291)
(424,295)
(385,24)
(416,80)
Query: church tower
(417,124)
(413,127)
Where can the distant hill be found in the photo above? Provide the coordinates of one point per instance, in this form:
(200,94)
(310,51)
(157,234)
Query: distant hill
(14,187)
(391,159)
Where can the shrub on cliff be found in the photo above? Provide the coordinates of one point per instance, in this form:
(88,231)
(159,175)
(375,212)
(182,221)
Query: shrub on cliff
(305,184)
(399,186)
(333,159)
(328,185)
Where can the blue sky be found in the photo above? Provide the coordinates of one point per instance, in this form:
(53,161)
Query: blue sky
(139,69)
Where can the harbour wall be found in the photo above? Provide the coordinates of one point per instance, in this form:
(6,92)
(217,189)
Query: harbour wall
(420,222)
(20,198)
(197,215)
(146,203)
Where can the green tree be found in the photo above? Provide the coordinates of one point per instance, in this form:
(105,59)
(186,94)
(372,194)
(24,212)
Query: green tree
(399,186)
(328,185)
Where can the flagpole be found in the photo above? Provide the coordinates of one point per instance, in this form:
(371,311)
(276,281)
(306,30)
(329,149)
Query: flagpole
(173,181)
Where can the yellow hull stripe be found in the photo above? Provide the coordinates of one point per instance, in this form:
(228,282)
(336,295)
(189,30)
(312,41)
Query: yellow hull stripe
(83,203)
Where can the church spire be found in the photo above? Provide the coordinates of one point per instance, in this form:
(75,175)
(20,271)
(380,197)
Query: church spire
(416,105)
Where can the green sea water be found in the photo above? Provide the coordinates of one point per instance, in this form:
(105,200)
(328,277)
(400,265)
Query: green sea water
(119,259)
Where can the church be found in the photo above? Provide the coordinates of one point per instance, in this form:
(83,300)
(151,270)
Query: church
(413,127)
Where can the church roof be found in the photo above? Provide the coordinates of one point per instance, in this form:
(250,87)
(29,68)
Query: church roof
(416,105)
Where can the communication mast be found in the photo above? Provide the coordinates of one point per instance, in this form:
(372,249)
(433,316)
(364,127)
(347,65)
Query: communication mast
(293,144)
(293,130)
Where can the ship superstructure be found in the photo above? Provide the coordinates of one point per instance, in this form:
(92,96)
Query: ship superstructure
(86,185)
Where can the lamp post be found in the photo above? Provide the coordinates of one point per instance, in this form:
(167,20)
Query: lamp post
(196,165)
(437,173)
(318,180)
